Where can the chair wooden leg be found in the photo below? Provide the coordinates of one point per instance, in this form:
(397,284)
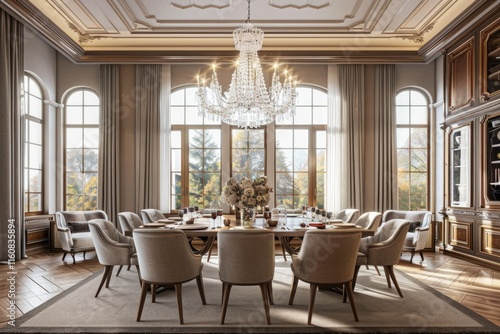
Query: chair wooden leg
(283,250)
(422,255)
(64,255)
(312,299)
(73,256)
(84,255)
(348,288)
(128,268)
(265,299)
(386,271)
(210,252)
(178,292)
(153,293)
(109,276)
(411,257)
(201,290)
(294,289)
(390,269)
(355,278)
(104,276)
(144,291)
(119,269)
(270,292)
(225,300)
(139,274)
(378,271)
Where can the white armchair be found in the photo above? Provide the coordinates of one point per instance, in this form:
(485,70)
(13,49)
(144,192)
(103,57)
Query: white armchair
(348,215)
(151,215)
(73,230)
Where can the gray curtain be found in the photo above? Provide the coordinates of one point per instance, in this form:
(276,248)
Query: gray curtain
(385,142)
(147,136)
(11,139)
(109,146)
(351,97)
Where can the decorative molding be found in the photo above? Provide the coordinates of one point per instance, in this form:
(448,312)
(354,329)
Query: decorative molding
(53,104)
(201,4)
(474,213)
(315,4)
(82,37)
(419,38)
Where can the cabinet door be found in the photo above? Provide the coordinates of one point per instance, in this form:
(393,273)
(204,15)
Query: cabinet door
(490,62)
(461,77)
(491,162)
(460,166)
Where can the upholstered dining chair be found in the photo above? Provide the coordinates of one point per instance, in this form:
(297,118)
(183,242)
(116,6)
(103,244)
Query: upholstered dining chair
(369,220)
(112,248)
(151,215)
(335,266)
(384,248)
(158,267)
(348,215)
(129,221)
(246,257)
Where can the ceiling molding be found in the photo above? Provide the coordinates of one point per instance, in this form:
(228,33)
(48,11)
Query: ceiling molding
(460,28)
(31,17)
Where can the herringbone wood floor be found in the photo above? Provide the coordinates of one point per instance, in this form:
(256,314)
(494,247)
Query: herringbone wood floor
(43,276)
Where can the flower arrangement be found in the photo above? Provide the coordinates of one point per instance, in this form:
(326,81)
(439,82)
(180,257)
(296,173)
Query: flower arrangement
(246,193)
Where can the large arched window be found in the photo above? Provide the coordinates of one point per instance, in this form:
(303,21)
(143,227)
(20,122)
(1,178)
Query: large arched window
(300,160)
(33,146)
(195,173)
(81,144)
(412,118)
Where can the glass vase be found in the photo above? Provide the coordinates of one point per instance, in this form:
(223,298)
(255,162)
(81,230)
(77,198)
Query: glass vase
(248,217)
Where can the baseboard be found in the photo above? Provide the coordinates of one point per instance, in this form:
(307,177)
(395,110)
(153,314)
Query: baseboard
(473,259)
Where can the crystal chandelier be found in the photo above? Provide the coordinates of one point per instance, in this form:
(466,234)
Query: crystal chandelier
(248,103)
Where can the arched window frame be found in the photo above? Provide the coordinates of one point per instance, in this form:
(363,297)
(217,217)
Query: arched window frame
(410,150)
(89,148)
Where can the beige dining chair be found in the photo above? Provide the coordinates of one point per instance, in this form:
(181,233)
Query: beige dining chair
(348,216)
(129,221)
(369,220)
(112,248)
(335,266)
(158,267)
(246,257)
(151,215)
(384,248)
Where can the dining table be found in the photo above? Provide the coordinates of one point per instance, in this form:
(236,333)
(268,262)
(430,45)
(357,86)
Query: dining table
(202,233)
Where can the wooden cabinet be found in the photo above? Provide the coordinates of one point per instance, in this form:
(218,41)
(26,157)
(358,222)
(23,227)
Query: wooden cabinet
(460,64)
(490,62)
(461,234)
(490,240)
(37,233)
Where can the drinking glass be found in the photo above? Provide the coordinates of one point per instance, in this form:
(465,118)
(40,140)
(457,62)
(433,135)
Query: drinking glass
(214,216)
(219,220)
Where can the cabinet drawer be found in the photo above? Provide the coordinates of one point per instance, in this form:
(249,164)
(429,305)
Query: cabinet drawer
(461,235)
(490,240)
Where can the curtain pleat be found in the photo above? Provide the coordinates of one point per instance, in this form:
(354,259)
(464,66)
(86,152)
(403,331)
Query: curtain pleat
(351,96)
(11,139)
(147,134)
(109,147)
(385,134)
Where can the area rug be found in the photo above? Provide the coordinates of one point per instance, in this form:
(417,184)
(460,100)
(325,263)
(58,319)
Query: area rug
(380,309)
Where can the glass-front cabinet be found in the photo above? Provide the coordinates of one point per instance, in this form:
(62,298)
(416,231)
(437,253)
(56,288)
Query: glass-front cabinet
(460,165)
(492,162)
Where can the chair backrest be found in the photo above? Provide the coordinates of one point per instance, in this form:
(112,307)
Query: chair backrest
(328,256)
(151,215)
(164,256)
(129,221)
(64,217)
(348,215)
(370,220)
(392,235)
(424,217)
(104,234)
(246,256)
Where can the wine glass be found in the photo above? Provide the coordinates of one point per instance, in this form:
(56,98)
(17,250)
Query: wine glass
(213,214)
(219,214)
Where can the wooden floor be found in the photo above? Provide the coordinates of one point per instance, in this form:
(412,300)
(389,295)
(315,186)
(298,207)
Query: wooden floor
(43,276)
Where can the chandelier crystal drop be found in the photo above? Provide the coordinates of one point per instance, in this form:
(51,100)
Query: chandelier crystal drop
(247,103)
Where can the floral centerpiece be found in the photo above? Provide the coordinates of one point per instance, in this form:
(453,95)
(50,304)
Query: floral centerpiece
(247,195)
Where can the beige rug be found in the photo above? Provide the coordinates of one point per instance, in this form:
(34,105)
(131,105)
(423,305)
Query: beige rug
(380,309)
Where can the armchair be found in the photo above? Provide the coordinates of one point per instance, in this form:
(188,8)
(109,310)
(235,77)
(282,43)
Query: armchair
(348,215)
(129,221)
(415,238)
(151,215)
(73,230)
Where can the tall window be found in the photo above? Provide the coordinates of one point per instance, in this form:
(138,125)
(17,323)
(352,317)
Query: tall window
(301,152)
(33,162)
(412,114)
(195,153)
(248,153)
(81,150)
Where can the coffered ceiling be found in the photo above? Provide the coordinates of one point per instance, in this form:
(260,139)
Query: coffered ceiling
(187,30)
